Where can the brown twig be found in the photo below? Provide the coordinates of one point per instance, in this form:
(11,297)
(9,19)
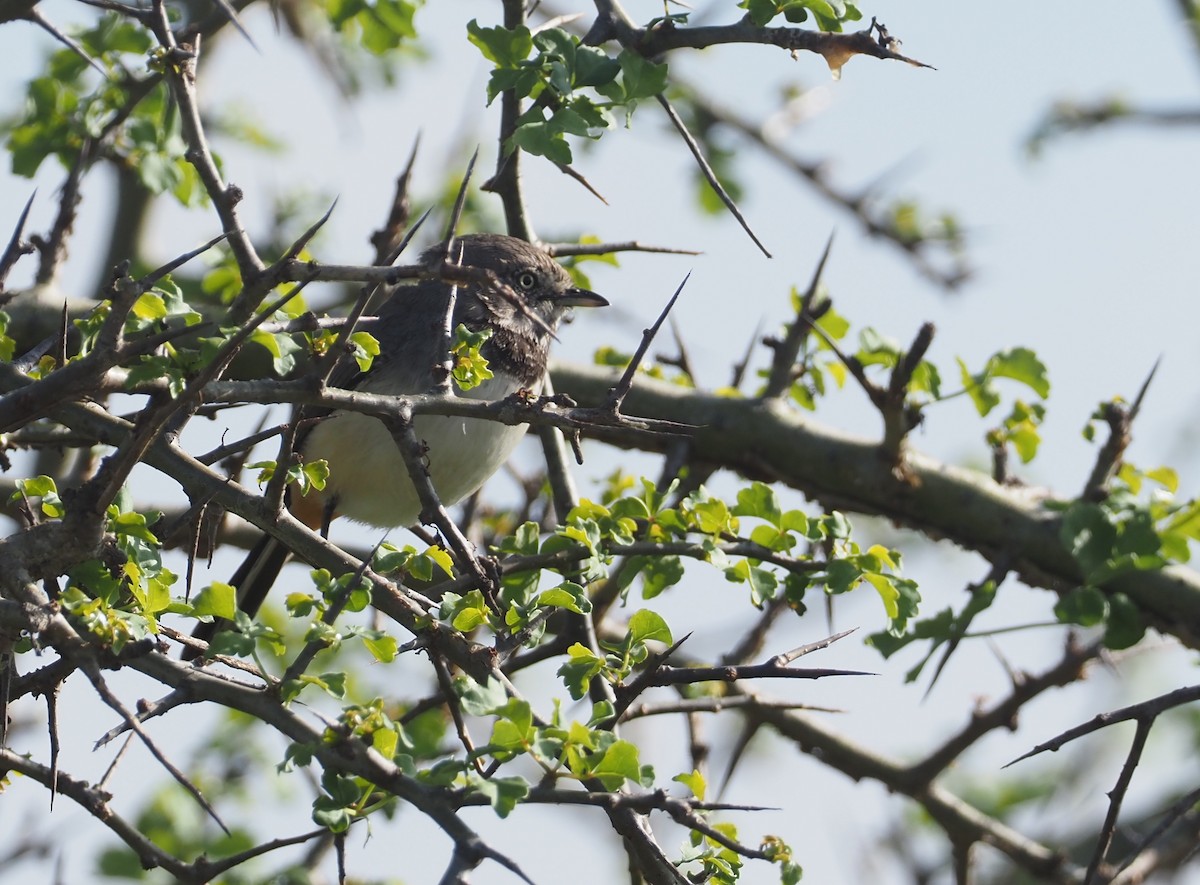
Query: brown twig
(16,247)
(1146,710)
(786,352)
(1115,798)
(1119,419)
(568,250)
(387,237)
(617,395)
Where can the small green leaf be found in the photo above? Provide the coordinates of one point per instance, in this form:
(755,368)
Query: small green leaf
(282,348)
(641,77)
(1090,535)
(981,392)
(218,600)
(566,595)
(503,793)
(581,667)
(1125,627)
(382,647)
(758,500)
(646,625)
(760,11)
(480,700)
(659,573)
(42,487)
(1023,365)
(594,67)
(506,48)
(1085,606)
(470,366)
(694,782)
(365,348)
(619,763)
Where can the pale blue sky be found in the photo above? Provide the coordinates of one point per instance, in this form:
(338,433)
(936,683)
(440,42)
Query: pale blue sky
(1088,255)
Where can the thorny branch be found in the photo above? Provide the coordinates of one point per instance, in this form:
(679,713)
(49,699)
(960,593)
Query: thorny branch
(67,396)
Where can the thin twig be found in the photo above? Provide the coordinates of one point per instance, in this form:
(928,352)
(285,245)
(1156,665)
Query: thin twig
(786,352)
(617,395)
(1117,796)
(707,171)
(16,246)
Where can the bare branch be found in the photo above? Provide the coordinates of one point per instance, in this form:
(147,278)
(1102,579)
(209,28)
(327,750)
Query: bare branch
(388,237)
(836,48)
(38,19)
(567,250)
(786,352)
(1116,797)
(1146,710)
(845,473)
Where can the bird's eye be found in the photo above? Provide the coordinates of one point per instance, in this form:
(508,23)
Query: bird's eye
(527,279)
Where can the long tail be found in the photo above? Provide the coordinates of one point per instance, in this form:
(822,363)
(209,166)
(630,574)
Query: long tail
(253,580)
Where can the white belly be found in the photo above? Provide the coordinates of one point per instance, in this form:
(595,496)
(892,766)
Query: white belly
(368,476)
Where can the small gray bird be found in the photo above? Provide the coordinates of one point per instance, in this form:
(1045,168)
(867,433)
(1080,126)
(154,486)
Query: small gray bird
(368,479)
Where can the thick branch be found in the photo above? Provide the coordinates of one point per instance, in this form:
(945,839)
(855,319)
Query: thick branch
(766,440)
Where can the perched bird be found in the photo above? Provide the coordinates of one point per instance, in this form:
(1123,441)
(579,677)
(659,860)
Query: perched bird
(368,479)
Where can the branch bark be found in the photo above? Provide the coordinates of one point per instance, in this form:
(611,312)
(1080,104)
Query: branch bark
(765,440)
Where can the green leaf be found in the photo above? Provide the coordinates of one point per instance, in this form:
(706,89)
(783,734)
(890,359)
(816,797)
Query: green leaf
(480,700)
(1125,627)
(1025,439)
(313,475)
(522,81)
(618,764)
(763,585)
(282,348)
(982,393)
(841,575)
(1090,535)
(150,306)
(133,525)
(333,684)
(646,625)
(566,595)
(382,647)
(1085,606)
(543,140)
(505,48)
(365,347)
(1023,365)
(465,613)
(503,793)
(659,573)
(641,77)
(888,592)
(695,782)
(42,487)
(594,67)
(581,667)
(470,366)
(759,500)
(218,600)
(760,11)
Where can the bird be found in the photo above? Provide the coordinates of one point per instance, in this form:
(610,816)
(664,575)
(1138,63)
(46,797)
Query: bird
(368,479)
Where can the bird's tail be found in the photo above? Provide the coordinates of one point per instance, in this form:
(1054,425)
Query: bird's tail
(253,580)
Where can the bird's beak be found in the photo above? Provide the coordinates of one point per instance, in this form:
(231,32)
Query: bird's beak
(581,298)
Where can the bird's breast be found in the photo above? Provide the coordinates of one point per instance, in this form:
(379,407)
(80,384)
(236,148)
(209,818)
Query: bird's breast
(368,476)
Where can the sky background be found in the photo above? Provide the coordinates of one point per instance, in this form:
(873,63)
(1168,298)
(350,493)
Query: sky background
(1086,254)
